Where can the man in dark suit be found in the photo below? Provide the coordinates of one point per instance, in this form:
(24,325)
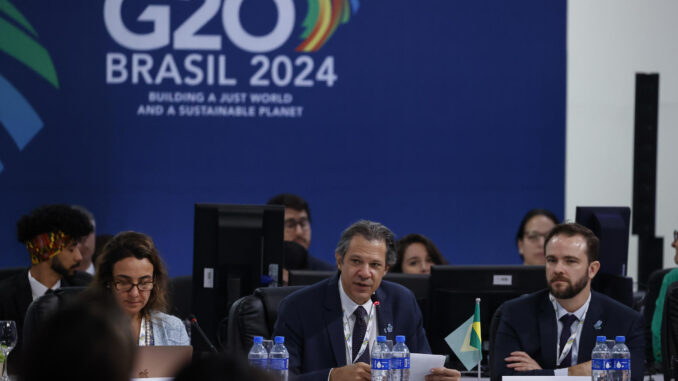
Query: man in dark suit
(553,331)
(53,235)
(329,327)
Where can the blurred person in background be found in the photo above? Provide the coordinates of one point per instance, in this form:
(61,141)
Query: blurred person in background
(88,244)
(416,254)
(534,227)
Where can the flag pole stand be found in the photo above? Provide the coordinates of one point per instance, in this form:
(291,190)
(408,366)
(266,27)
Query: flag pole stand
(481,346)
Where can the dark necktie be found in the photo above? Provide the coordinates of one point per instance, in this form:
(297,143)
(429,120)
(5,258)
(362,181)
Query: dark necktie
(565,334)
(359,329)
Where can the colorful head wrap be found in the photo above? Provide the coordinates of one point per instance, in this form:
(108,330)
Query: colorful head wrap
(44,246)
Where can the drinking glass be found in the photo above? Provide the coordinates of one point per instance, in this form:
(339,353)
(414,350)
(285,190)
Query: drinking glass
(8,338)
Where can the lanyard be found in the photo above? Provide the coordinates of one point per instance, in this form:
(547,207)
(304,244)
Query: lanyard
(348,334)
(146,335)
(568,345)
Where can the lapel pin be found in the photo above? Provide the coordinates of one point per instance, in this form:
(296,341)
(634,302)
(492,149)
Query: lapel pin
(389,328)
(598,325)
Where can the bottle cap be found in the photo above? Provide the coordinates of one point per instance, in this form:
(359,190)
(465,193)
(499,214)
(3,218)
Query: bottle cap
(601,338)
(400,339)
(279,339)
(620,339)
(381,339)
(258,339)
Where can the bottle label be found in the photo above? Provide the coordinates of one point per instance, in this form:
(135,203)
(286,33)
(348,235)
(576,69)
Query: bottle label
(261,363)
(400,363)
(278,364)
(598,364)
(622,364)
(380,364)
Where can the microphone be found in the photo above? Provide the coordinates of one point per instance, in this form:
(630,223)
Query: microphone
(375,300)
(194,323)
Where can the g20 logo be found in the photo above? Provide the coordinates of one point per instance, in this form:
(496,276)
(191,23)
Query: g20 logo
(186,35)
(321,21)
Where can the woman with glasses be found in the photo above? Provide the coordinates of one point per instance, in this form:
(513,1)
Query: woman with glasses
(130,268)
(532,231)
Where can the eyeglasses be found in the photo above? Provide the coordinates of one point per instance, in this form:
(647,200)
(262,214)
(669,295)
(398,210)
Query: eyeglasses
(675,235)
(291,224)
(126,286)
(534,236)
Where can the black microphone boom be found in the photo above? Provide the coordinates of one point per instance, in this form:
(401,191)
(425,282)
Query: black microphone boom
(194,323)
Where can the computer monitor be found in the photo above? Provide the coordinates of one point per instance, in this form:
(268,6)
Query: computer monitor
(307,277)
(611,225)
(454,289)
(234,246)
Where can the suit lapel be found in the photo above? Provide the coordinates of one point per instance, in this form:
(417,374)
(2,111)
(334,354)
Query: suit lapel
(548,331)
(384,316)
(588,334)
(333,317)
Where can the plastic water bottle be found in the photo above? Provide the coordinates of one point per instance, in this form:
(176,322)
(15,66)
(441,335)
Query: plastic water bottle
(600,360)
(381,360)
(400,361)
(258,355)
(621,361)
(279,359)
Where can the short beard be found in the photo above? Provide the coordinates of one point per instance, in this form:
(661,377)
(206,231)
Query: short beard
(571,290)
(61,270)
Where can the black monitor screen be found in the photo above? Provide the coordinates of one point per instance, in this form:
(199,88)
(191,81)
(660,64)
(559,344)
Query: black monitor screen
(234,246)
(454,290)
(611,225)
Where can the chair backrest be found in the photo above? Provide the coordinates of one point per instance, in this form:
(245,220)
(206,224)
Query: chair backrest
(43,307)
(254,315)
(670,330)
(494,325)
(180,292)
(617,287)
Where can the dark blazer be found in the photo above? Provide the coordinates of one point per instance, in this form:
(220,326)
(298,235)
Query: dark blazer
(311,321)
(528,324)
(16,296)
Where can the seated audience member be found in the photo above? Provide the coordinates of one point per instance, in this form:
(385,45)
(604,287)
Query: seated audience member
(99,242)
(656,327)
(88,338)
(87,246)
(298,226)
(415,254)
(553,331)
(52,235)
(131,269)
(530,237)
(329,327)
(219,367)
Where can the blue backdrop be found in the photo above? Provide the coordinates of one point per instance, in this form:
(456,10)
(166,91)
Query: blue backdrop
(441,117)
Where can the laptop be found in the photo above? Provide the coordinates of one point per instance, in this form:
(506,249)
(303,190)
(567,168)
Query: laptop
(160,361)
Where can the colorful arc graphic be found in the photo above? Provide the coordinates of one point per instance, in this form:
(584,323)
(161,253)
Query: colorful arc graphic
(322,19)
(16,114)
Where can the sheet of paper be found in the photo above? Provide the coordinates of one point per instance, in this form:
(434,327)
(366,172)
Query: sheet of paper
(421,364)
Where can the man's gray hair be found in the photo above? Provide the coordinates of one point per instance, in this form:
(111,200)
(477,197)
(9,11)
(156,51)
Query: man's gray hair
(371,231)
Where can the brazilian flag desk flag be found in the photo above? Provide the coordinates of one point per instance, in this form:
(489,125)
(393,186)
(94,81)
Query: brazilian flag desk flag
(465,341)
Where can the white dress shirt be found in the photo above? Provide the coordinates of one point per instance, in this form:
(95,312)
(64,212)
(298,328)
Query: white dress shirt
(581,315)
(349,307)
(38,289)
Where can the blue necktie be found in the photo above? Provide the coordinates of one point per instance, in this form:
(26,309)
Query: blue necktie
(567,321)
(359,329)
